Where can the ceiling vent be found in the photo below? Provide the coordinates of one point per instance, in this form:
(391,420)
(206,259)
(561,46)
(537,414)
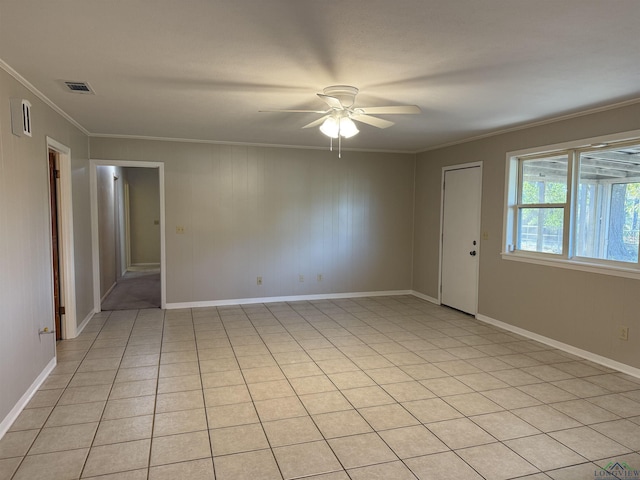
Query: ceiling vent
(79,87)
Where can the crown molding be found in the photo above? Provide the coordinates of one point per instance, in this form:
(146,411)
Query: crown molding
(29,86)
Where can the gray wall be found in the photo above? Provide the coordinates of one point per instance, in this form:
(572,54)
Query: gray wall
(279,213)
(144,210)
(26,291)
(578,308)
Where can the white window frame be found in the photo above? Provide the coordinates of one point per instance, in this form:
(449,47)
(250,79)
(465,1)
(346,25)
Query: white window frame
(567,259)
(566,206)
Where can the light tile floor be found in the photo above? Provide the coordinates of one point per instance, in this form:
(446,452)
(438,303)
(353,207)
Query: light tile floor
(364,388)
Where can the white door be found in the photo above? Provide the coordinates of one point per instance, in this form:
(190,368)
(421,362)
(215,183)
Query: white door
(460,238)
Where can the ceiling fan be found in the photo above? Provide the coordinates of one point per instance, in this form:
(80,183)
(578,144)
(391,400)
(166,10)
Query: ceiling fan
(338,120)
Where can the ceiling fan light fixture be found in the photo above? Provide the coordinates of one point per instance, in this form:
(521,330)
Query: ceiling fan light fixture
(343,127)
(330,127)
(337,120)
(347,128)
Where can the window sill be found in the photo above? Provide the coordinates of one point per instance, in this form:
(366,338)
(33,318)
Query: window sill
(613,270)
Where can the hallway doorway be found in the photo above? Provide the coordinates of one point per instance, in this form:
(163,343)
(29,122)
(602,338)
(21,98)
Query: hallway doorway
(128,238)
(135,290)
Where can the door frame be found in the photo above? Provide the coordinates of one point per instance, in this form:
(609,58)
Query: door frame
(54,203)
(127,225)
(95,247)
(65,240)
(446,169)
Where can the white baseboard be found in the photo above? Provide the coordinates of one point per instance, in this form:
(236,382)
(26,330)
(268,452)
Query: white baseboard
(291,298)
(593,357)
(108,291)
(141,267)
(84,323)
(425,297)
(24,400)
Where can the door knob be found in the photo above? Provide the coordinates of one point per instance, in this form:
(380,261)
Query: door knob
(472,253)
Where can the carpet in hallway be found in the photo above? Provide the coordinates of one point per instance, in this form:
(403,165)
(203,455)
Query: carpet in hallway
(135,290)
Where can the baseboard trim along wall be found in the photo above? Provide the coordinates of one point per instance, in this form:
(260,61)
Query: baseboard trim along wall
(593,357)
(108,291)
(141,267)
(84,323)
(291,298)
(24,400)
(607,362)
(422,296)
(599,359)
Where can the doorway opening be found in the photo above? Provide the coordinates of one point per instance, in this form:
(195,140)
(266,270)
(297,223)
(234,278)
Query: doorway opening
(128,238)
(62,248)
(54,198)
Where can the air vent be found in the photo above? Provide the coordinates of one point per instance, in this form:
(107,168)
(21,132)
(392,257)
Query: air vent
(79,87)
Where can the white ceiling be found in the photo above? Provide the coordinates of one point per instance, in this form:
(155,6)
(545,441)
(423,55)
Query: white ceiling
(201,69)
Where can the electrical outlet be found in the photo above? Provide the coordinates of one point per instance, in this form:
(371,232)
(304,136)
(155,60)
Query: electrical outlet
(301,278)
(623,333)
(485,235)
(319,277)
(180,230)
(259,281)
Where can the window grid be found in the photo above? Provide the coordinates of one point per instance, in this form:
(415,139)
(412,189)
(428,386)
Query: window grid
(522,233)
(599,215)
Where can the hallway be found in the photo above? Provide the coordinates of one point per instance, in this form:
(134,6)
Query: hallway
(136,290)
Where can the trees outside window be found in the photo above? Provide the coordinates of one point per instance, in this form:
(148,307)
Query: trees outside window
(580,204)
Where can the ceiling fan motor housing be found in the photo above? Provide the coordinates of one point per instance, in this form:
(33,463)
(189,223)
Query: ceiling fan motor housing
(345,93)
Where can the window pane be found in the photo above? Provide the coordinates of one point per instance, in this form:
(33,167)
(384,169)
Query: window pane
(608,205)
(540,230)
(544,180)
(589,242)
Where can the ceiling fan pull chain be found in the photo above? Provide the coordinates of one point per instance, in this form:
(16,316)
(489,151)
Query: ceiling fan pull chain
(339,145)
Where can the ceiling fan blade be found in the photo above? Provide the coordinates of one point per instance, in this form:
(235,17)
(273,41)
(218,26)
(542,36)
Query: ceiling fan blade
(315,123)
(392,110)
(293,111)
(333,102)
(373,121)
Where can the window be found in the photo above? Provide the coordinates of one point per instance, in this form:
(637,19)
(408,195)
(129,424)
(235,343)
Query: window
(542,203)
(607,204)
(579,205)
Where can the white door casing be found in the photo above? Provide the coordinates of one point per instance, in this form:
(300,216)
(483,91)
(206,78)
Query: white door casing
(94,225)
(460,249)
(67,258)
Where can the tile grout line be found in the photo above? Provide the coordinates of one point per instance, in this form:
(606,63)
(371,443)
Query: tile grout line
(297,396)
(110,389)
(58,401)
(155,400)
(373,430)
(396,322)
(204,401)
